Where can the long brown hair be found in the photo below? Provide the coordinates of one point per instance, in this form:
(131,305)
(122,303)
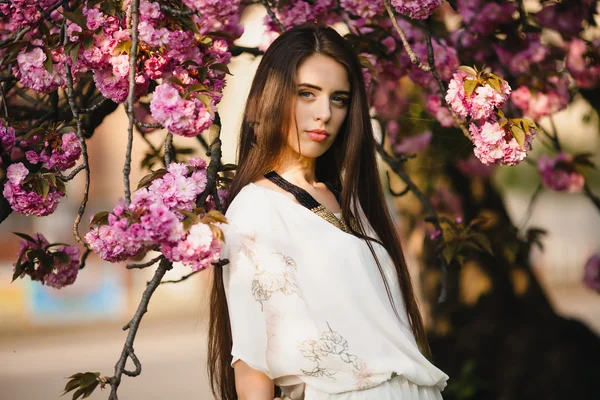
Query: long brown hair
(350,165)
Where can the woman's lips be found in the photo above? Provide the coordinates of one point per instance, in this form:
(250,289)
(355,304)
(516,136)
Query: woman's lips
(317,136)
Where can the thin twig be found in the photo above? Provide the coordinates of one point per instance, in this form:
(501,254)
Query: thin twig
(214,165)
(133,326)
(204,144)
(273,16)
(411,54)
(237,50)
(94,107)
(73,173)
(595,199)
(431,61)
(395,194)
(82,143)
(4,101)
(147,125)
(529,210)
(183,278)
(168,148)
(176,12)
(146,264)
(431,214)
(135,17)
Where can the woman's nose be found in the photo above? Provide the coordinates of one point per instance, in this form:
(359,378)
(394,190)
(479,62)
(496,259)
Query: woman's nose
(322,110)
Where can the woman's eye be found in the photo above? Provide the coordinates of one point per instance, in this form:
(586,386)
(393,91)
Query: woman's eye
(305,94)
(340,100)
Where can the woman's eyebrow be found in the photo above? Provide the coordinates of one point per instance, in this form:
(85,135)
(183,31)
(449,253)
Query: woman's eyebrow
(315,87)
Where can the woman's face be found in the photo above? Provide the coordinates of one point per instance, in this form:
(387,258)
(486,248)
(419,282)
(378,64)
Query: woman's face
(321,105)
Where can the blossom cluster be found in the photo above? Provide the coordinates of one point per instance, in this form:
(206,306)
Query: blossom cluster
(481,102)
(157,219)
(417,9)
(52,265)
(32,163)
(30,194)
(559,173)
(495,145)
(591,276)
(479,96)
(31,70)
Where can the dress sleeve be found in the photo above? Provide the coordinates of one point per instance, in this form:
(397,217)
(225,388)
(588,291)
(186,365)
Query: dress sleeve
(260,287)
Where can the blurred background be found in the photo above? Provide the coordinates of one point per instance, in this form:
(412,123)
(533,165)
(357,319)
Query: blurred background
(47,335)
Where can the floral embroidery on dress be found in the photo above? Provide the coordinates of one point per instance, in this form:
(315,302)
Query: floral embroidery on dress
(332,344)
(274,271)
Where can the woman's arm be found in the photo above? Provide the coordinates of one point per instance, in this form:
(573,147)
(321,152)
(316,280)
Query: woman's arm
(251,384)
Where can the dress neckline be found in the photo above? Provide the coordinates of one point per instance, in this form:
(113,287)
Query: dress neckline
(308,201)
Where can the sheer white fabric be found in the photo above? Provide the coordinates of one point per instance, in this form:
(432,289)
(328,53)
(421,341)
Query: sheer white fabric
(308,306)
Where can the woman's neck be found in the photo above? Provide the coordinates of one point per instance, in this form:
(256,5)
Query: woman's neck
(299,171)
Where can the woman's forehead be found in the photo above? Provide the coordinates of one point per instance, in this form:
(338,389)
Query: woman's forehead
(324,72)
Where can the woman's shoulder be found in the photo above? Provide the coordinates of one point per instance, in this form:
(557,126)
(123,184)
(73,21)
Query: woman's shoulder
(250,205)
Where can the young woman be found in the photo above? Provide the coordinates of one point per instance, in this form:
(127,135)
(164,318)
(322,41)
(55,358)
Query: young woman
(316,301)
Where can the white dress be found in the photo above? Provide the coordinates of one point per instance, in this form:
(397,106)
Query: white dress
(309,309)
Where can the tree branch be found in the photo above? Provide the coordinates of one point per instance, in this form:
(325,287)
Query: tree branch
(273,16)
(135,17)
(213,166)
(168,148)
(431,215)
(82,143)
(146,264)
(133,326)
(411,54)
(176,12)
(73,173)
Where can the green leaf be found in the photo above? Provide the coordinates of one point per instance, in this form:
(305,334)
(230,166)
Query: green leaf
(228,167)
(188,23)
(222,34)
(124,46)
(48,64)
(205,99)
(448,252)
(175,80)
(88,379)
(100,218)
(495,85)
(72,49)
(147,180)
(76,17)
(88,42)
(62,257)
(66,129)
(583,159)
(26,237)
(366,63)
(468,70)
(108,7)
(44,187)
(189,214)
(470,85)
(19,268)
(51,178)
(221,67)
(518,134)
(483,241)
(197,87)
(44,29)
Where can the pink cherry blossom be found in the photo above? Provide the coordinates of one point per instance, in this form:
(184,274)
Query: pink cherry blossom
(198,250)
(7,138)
(493,145)
(559,173)
(23,198)
(414,144)
(416,9)
(481,104)
(591,277)
(440,112)
(52,270)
